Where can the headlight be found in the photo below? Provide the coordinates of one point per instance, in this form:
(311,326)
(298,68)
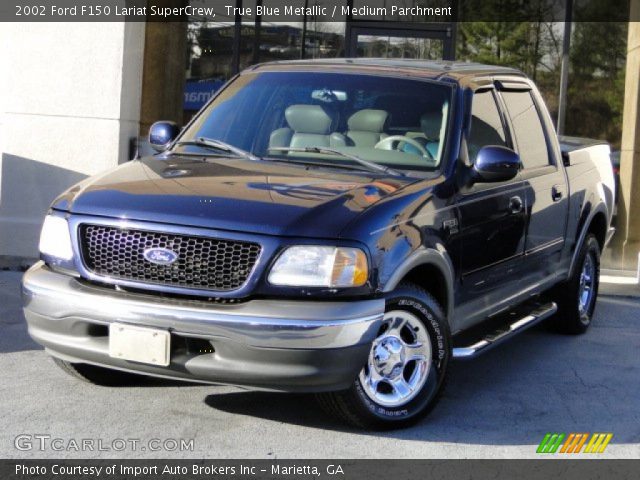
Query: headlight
(54,238)
(315,266)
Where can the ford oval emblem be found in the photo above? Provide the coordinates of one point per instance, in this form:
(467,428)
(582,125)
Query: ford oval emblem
(160,256)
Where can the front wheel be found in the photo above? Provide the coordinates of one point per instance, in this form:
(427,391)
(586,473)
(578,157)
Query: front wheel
(406,369)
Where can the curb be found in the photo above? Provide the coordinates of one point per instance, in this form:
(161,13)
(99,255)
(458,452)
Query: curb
(623,283)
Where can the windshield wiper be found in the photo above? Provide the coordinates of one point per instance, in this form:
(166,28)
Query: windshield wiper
(219,145)
(361,161)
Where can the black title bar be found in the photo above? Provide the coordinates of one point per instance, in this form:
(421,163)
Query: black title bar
(315,11)
(308,469)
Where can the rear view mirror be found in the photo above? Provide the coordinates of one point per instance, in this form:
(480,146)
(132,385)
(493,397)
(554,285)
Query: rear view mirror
(496,164)
(329,96)
(161,134)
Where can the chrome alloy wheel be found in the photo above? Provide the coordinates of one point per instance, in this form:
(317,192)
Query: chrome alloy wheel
(587,284)
(399,360)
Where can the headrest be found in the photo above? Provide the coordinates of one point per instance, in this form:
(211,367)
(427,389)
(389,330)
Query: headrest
(430,124)
(368,120)
(309,119)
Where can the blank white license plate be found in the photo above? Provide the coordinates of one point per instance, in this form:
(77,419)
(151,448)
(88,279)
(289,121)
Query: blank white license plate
(139,344)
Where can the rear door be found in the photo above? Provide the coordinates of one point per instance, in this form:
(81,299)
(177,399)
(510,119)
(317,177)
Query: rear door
(544,179)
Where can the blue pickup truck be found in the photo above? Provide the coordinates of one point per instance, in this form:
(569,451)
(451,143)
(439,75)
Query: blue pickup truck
(343,227)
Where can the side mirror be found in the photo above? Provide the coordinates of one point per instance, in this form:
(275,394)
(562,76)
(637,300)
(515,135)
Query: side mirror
(496,164)
(161,134)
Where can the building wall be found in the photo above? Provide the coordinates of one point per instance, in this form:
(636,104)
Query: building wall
(626,244)
(70,98)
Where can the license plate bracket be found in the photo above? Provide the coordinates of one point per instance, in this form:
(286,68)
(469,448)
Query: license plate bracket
(139,344)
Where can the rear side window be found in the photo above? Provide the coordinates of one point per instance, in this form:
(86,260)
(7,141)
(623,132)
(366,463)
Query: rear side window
(486,124)
(527,126)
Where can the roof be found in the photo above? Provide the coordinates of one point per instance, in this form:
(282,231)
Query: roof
(424,68)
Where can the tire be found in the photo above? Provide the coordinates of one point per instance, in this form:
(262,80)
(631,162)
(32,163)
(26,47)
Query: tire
(575,311)
(385,406)
(98,375)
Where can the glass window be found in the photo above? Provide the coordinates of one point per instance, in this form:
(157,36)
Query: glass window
(323,39)
(486,124)
(529,135)
(214,53)
(209,62)
(397,122)
(385,46)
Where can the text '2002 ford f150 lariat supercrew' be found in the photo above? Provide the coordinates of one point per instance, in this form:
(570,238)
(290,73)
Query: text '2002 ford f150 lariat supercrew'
(345,227)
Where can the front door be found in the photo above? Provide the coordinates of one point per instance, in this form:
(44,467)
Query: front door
(422,41)
(492,223)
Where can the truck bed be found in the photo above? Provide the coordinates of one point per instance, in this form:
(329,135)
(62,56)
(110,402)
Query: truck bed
(587,161)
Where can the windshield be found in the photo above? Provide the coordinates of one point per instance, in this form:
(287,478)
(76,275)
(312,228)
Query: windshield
(397,123)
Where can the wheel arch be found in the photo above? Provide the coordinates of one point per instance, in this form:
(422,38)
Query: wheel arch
(596,223)
(430,269)
(598,226)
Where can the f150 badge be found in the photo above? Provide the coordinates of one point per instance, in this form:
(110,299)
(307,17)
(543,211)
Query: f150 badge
(160,256)
(451,225)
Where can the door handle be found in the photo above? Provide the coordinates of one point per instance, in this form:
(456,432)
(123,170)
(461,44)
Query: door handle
(556,193)
(515,204)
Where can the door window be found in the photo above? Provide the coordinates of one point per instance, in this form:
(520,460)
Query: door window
(527,126)
(486,124)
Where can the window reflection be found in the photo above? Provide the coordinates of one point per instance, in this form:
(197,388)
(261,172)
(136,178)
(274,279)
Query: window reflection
(384,46)
(212,59)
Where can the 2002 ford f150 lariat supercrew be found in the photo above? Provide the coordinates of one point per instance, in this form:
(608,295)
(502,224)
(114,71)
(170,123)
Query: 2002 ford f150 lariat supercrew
(344,227)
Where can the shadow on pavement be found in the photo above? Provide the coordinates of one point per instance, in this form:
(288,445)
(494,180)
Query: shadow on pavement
(13,328)
(296,409)
(14,338)
(537,383)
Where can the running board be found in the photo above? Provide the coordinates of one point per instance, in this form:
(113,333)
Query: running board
(508,330)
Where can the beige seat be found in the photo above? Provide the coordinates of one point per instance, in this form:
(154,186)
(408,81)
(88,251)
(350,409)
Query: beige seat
(366,127)
(309,126)
(429,134)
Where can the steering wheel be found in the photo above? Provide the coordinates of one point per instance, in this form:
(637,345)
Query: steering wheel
(388,144)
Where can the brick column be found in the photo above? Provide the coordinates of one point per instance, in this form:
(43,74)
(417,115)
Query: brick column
(627,241)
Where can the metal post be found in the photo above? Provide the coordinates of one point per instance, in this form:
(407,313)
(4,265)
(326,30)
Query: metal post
(449,47)
(449,50)
(349,50)
(237,32)
(564,73)
(303,40)
(256,35)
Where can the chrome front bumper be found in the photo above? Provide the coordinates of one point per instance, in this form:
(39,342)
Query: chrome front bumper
(274,344)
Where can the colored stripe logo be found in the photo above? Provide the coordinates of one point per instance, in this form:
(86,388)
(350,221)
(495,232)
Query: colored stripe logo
(574,443)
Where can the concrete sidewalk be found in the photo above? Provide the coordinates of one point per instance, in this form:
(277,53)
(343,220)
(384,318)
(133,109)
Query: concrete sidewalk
(622,283)
(498,406)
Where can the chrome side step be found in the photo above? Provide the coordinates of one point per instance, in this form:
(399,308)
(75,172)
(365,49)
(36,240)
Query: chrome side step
(539,313)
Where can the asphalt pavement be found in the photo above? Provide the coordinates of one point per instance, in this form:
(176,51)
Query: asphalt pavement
(497,406)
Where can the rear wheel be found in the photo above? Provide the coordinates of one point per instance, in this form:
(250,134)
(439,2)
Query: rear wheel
(576,298)
(98,375)
(406,369)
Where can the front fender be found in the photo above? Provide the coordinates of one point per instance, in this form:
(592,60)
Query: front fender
(435,257)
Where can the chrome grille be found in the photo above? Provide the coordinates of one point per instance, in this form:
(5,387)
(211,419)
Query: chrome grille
(202,262)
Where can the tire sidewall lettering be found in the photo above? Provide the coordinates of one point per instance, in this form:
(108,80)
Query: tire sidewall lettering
(437,336)
(439,346)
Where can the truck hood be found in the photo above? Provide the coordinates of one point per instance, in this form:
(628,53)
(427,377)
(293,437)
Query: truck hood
(263,197)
